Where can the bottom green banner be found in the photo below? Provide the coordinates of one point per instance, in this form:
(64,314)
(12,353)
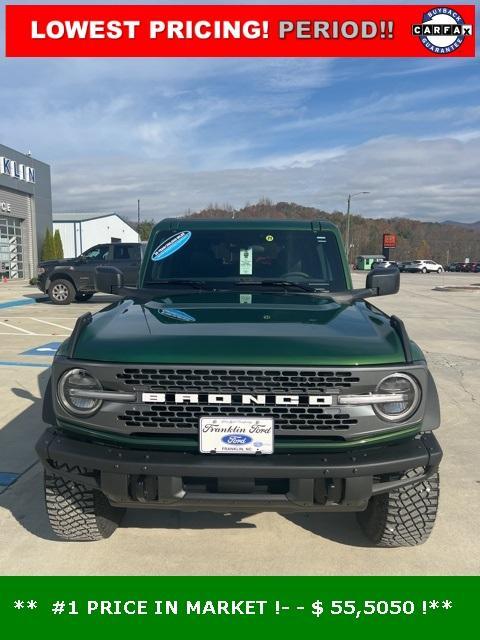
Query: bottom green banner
(237,606)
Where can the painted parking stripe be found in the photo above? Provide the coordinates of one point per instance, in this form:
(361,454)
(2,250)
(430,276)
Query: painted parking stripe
(60,326)
(7,479)
(48,349)
(6,363)
(16,303)
(12,326)
(62,318)
(38,335)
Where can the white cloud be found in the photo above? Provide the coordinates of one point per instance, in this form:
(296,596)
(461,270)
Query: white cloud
(426,179)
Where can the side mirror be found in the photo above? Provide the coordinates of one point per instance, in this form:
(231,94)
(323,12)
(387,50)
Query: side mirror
(385,281)
(108,279)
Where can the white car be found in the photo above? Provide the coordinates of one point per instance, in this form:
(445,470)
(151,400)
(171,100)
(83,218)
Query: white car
(423,266)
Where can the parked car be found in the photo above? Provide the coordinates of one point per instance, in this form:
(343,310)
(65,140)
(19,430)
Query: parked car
(453,266)
(384,264)
(74,278)
(470,267)
(423,266)
(401,265)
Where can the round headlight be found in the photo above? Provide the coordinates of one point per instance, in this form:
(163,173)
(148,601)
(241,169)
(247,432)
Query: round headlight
(73,392)
(398,384)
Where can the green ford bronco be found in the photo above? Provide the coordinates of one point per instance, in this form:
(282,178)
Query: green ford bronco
(243,374)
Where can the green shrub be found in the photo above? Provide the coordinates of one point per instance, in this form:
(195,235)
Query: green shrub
(48,248)
(57,244)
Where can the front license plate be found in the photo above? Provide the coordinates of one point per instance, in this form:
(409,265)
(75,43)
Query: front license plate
(236,435)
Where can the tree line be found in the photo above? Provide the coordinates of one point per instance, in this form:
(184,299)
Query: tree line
(437,241)
(415,240)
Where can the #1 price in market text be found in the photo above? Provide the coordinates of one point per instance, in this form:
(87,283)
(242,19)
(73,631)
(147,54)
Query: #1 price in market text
(317,608)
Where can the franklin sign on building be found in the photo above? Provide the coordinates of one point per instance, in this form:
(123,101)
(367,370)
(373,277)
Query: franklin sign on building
(16,170)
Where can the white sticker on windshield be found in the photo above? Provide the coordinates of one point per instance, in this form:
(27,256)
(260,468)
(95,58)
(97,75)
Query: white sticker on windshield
(245,298)
(246,261)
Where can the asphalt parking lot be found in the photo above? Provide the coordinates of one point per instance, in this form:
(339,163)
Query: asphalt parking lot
(447,327)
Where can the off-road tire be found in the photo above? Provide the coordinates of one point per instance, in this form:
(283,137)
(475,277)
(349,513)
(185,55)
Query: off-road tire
(83,297)
(404,517)
(78,513)
(61,291)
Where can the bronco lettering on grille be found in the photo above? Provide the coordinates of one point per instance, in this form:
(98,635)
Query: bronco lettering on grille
(242,399)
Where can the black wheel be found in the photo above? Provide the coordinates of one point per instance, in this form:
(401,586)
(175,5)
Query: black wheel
(424,270)
(78,513)
(404,517)
(61,292)
(83,297)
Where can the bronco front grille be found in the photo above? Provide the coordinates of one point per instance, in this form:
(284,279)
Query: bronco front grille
(170,417)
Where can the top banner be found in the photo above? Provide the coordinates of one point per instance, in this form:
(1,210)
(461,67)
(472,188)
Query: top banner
(240,31)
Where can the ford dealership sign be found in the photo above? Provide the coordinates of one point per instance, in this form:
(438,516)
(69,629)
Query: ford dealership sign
(16,170)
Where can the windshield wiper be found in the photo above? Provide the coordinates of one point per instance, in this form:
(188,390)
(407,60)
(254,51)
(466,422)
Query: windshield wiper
(193,284)
(285,284)
(162,288)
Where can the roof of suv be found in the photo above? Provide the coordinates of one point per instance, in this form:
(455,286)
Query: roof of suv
(175,224)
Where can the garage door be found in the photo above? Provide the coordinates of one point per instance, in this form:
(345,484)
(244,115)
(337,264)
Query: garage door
(16,245)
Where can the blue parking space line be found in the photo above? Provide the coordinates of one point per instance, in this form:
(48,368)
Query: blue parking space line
(48,349)
(7,363)
(16,303)
(7,479)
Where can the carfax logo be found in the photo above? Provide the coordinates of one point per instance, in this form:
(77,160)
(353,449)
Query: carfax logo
(442,31)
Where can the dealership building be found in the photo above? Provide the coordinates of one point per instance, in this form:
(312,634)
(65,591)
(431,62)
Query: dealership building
(25,212)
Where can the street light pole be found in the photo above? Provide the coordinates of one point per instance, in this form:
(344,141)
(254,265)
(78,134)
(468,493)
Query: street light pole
(347,233)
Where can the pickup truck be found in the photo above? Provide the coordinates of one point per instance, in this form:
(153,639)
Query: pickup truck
(72,279)
(244,373)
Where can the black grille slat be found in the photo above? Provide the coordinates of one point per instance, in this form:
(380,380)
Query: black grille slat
(244,381)
(291,418)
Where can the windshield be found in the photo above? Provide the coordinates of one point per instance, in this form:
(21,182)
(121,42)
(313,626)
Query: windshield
(247,255)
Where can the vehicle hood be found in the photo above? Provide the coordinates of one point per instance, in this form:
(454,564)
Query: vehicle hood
(208,328)
(50,264)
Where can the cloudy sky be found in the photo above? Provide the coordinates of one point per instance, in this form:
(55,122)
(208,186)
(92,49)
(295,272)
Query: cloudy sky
(181,134)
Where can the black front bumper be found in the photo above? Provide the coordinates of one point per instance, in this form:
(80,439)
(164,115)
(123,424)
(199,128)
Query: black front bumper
(340,481)
(42,282)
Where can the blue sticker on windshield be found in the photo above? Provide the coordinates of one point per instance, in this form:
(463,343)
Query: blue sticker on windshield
(170,245)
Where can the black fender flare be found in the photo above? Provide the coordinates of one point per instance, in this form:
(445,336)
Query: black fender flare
(48,413)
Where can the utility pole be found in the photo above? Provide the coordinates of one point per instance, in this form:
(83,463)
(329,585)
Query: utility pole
(347,233)
(138,217)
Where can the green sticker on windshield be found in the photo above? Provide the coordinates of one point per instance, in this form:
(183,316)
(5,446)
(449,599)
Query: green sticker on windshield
(246,261)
